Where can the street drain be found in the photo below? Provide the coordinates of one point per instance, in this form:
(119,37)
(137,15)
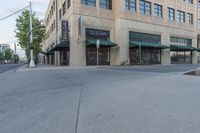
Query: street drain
(194,73)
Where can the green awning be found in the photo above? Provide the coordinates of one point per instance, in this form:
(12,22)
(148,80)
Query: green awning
(198,49)
(92,42)
(182,48)
(62,45)
(146,44)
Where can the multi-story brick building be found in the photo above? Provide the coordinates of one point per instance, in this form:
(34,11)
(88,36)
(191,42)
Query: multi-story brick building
(130,32)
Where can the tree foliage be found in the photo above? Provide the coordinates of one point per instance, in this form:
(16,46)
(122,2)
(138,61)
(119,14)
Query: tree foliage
(22,29)
(16,58)
(1,57)
(8,54)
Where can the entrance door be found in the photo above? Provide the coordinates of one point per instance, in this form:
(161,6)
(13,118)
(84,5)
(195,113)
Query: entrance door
(64,57)
(104,55)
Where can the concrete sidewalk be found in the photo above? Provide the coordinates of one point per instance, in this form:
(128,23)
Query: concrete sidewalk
(145,68)
(44,67)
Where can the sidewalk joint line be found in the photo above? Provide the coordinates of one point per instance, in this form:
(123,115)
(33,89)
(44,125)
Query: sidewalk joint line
(78,112)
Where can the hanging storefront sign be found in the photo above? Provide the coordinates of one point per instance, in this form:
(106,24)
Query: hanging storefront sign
(101,34)
(80,26)
(65,30)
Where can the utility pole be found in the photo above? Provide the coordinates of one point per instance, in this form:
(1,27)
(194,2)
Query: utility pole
(98,45)
(15,48)
(32,63)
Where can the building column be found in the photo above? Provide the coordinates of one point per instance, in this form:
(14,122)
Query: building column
(165,53)
(165,57)
(77,46)
(46,59)
(194,53)
(194,57)
(55,58)
(50,61)
(58,55)
(122,39)
(61,57)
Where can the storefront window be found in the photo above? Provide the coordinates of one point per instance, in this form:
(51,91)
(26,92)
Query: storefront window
(148,56)
(181,57)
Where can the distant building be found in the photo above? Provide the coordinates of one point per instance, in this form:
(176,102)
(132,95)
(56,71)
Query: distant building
(4,47)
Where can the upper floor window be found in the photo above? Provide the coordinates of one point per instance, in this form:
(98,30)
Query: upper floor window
(68,3)
(190,1)
(130,5)
(199,4)
(54,24)
(89,2)
(145,7)
(60,14)
(180,16)
(190,18)
(158,10)
(199,23)
(64,8)
(105,4)
(171,14)
(54,6)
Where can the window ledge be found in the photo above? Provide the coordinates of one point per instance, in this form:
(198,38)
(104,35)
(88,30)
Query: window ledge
(129,11)
(88,6)
(142,14)
(105,10)
(160,18)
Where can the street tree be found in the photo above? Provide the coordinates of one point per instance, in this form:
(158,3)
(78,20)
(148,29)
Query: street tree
(16,58)
(1,57)
(8,54)
(22,29)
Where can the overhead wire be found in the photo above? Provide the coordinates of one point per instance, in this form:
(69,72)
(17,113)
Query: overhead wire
(1,19)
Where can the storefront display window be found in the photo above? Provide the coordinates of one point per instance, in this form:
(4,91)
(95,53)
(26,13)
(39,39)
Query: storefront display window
(181,57)
(148,56)
(91,51)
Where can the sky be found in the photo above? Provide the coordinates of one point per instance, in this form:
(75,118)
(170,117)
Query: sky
(7,27)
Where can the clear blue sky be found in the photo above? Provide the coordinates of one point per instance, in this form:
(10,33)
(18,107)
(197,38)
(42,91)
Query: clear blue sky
(7,26)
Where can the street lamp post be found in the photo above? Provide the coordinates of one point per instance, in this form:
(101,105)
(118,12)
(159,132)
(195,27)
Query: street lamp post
(98,45)
(32,63)
(140,53)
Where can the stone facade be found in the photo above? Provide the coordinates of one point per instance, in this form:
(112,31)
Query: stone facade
(119,22)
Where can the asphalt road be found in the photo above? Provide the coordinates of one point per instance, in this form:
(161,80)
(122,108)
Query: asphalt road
(7,67)
(103,100)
